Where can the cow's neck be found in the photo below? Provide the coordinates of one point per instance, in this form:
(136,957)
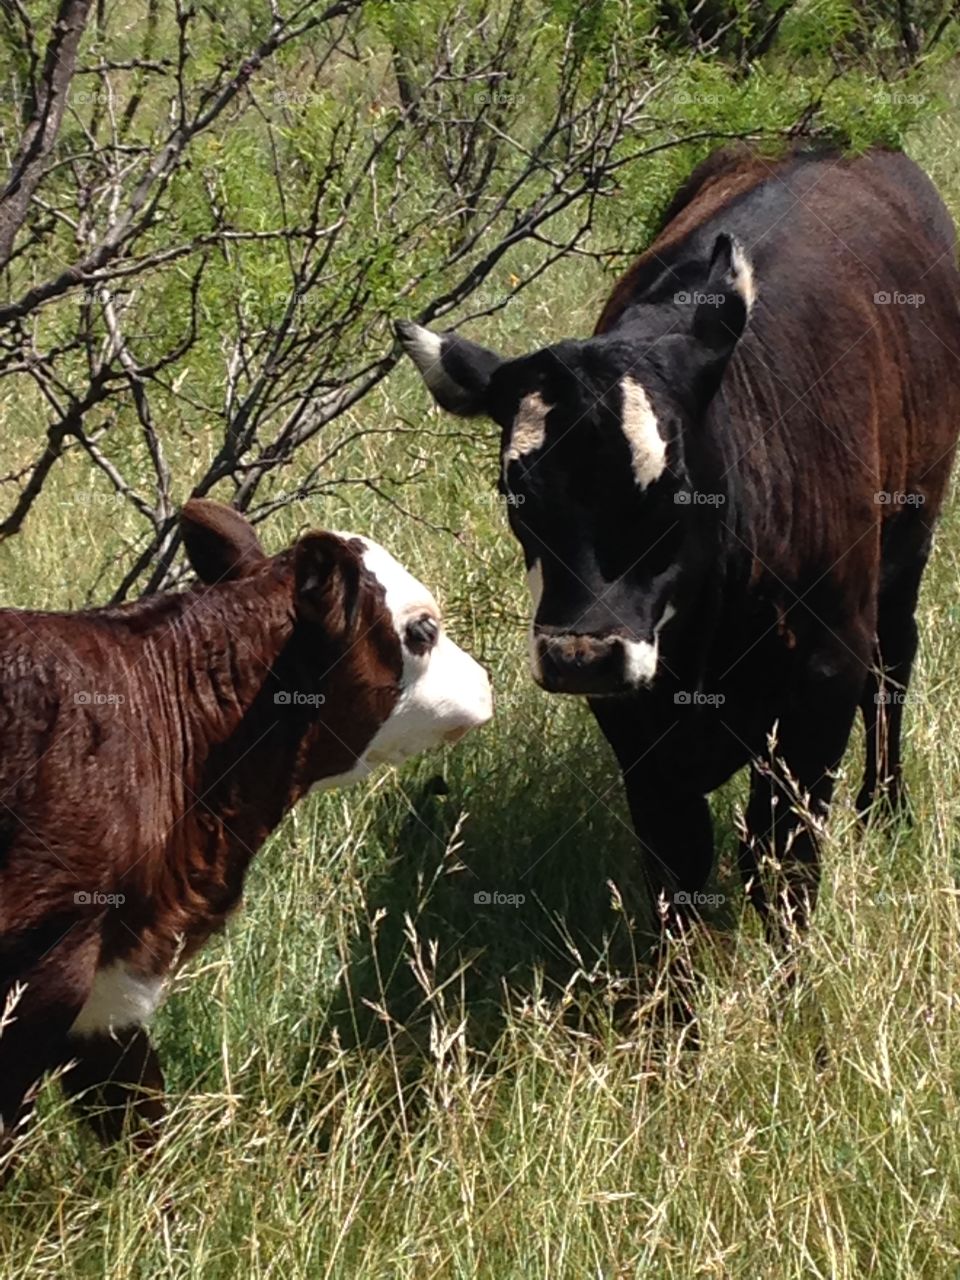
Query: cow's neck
(247,757)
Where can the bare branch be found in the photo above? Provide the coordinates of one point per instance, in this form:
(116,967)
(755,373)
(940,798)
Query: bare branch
(44,125)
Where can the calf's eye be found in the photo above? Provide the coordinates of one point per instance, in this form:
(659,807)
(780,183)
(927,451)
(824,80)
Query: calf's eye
(420,634)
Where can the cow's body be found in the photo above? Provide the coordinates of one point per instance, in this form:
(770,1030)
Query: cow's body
(147,751)
(725,534)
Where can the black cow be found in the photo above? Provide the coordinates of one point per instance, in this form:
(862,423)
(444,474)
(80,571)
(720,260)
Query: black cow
(729,493)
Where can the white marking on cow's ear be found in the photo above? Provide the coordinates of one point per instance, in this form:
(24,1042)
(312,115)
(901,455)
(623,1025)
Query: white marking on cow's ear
(648,449)
(529,428)
(741,272)
(119,997)
(641,657)
(535,584)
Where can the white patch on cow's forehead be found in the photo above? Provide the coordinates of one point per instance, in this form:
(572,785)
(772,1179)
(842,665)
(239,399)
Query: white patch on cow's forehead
(443,692)
(120,997)
(404,593)
(529,427)
(648,448)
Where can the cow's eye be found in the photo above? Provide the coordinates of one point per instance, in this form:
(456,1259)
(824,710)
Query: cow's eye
(420,634)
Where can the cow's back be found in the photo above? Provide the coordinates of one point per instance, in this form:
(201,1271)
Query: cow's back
(840,405)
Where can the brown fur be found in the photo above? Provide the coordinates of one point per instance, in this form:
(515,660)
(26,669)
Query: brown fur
(812,391)
(143,755)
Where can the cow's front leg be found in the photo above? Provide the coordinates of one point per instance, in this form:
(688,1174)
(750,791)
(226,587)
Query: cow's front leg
(675,833)
(790,793)
(117,1083)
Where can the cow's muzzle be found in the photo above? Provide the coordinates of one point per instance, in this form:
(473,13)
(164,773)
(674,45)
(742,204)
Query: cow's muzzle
(591,665)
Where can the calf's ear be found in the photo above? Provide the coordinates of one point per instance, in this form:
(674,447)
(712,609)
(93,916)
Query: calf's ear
(219,541)
(327,576)
(456,371)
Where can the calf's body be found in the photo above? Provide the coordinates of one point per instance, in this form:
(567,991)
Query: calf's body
(147,751)
(726,496)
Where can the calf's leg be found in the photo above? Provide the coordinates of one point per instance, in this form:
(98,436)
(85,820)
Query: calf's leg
(117,1083)
(53,989)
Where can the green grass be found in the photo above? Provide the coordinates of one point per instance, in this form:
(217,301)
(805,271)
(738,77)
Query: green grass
(372,1076)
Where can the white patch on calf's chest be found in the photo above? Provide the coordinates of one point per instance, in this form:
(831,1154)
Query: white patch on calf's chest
(120,997)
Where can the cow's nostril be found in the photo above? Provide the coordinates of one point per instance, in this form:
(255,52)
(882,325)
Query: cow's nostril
(580,664)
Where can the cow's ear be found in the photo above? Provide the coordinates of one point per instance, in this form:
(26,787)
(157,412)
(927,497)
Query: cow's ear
(220,542)
(327,576)
(456,371)
(727,297)
(723,306)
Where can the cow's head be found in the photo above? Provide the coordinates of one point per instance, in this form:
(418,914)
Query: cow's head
(380,675)
(600,467)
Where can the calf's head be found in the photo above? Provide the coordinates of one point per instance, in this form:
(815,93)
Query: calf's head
(600,467)
(367,651)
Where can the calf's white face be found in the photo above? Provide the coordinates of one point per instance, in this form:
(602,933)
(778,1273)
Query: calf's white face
(444,692)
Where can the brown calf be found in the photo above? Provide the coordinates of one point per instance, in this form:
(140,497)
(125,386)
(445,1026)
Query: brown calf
(149,750)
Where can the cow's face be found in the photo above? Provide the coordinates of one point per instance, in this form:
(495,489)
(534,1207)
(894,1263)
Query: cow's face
(598,471)
(441,692)
(378,679)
